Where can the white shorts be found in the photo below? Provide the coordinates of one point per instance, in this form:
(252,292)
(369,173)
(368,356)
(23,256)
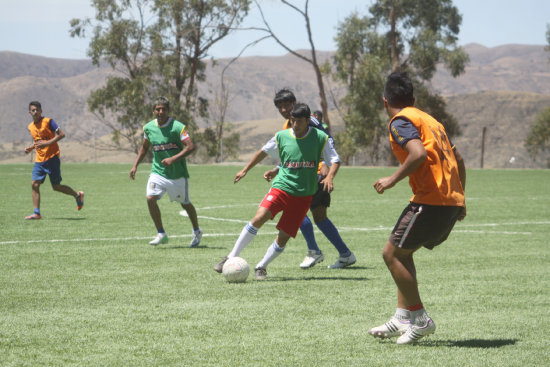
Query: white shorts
(178,189)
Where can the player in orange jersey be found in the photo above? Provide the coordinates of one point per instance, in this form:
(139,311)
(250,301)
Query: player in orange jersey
(437,177)
(46,133)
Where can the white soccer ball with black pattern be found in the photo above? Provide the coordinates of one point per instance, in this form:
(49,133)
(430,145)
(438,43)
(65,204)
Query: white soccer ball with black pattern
(235,270)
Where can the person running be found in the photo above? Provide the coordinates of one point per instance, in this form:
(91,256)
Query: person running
(170,144)
(284,101)
(299,149)
(46,133)
(437,177)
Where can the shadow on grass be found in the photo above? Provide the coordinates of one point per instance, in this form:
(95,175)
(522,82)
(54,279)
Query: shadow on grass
(68,218)
(187,247)
(470,343)
(289,279)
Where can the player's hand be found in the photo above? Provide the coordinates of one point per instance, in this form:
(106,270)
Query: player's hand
(167,162)
(324,169)
(270,175)
(383,184)
(328,185)
(239,176)
(41,144)
(29,149)
(133,173)
(463,214)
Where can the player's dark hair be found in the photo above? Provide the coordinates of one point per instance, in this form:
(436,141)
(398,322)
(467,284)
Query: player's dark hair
(318,115)
(398,90)
(35,104)
(300,110)
(162,101)
(284,95)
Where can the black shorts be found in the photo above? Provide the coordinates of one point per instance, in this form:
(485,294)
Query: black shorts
(424,225)
(321,197)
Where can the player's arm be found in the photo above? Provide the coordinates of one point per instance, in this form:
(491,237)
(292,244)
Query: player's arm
(29,148)
(331,157)
(417,155)
(270,148)
(257,158)
(59,134)
(462,175)
(188,148)
(141,154)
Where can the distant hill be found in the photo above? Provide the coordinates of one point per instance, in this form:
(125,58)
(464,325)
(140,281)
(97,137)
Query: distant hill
(503,88)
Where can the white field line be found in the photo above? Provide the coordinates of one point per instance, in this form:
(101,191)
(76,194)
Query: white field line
(271,233)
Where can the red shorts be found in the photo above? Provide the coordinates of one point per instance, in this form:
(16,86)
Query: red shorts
(294,209)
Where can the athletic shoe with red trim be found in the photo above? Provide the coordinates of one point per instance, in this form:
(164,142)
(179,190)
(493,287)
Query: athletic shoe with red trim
(415,332)
(80,200)
(394,327)
(33,216)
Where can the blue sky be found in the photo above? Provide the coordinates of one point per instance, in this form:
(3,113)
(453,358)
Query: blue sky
(40,27)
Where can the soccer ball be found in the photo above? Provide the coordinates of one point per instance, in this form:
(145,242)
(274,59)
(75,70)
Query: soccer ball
(235,270)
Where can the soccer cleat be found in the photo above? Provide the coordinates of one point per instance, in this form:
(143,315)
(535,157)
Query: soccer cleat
(80,200)
(415,332)
(342,262)
(394,327)
(311,259)
(219,266)
(196,238)
(33,216)
(260,273)
(159,239)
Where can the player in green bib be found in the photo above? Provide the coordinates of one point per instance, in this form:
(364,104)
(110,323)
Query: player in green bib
(299,149)
(170,144)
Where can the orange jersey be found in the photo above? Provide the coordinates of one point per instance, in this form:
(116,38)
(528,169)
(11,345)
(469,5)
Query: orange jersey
(287,126)
(42,131)
(436,181)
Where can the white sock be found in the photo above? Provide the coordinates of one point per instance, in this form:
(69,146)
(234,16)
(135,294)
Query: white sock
(247,235)
(272,252)
(402,314)
(419,317)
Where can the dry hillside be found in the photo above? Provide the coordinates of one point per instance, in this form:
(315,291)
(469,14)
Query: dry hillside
(503,89)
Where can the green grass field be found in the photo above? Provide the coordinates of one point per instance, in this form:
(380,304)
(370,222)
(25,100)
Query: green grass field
(85,289)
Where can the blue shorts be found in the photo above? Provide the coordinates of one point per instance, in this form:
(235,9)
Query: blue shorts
(51,167)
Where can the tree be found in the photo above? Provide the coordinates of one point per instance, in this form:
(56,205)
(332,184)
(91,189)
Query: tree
(156,47)
(538,139)
(399,35)
(317,68)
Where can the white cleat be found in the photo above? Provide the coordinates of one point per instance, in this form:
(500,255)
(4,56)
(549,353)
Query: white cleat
(415,332)
(159,238)
(311,259)
(196,238)
(394,327)
(342,262)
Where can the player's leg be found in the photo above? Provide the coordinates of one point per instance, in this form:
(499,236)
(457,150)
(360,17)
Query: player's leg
(54,168)
(154,211)
(248,233)
(178,190)
(325,225)
(197,232)
(314,254)
(39,174)
(273,251)
(420,323)
(294,210)
(35,191)
(156,188)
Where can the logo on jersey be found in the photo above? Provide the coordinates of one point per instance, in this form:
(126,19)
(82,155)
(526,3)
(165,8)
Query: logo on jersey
(164,147)
(295,165)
